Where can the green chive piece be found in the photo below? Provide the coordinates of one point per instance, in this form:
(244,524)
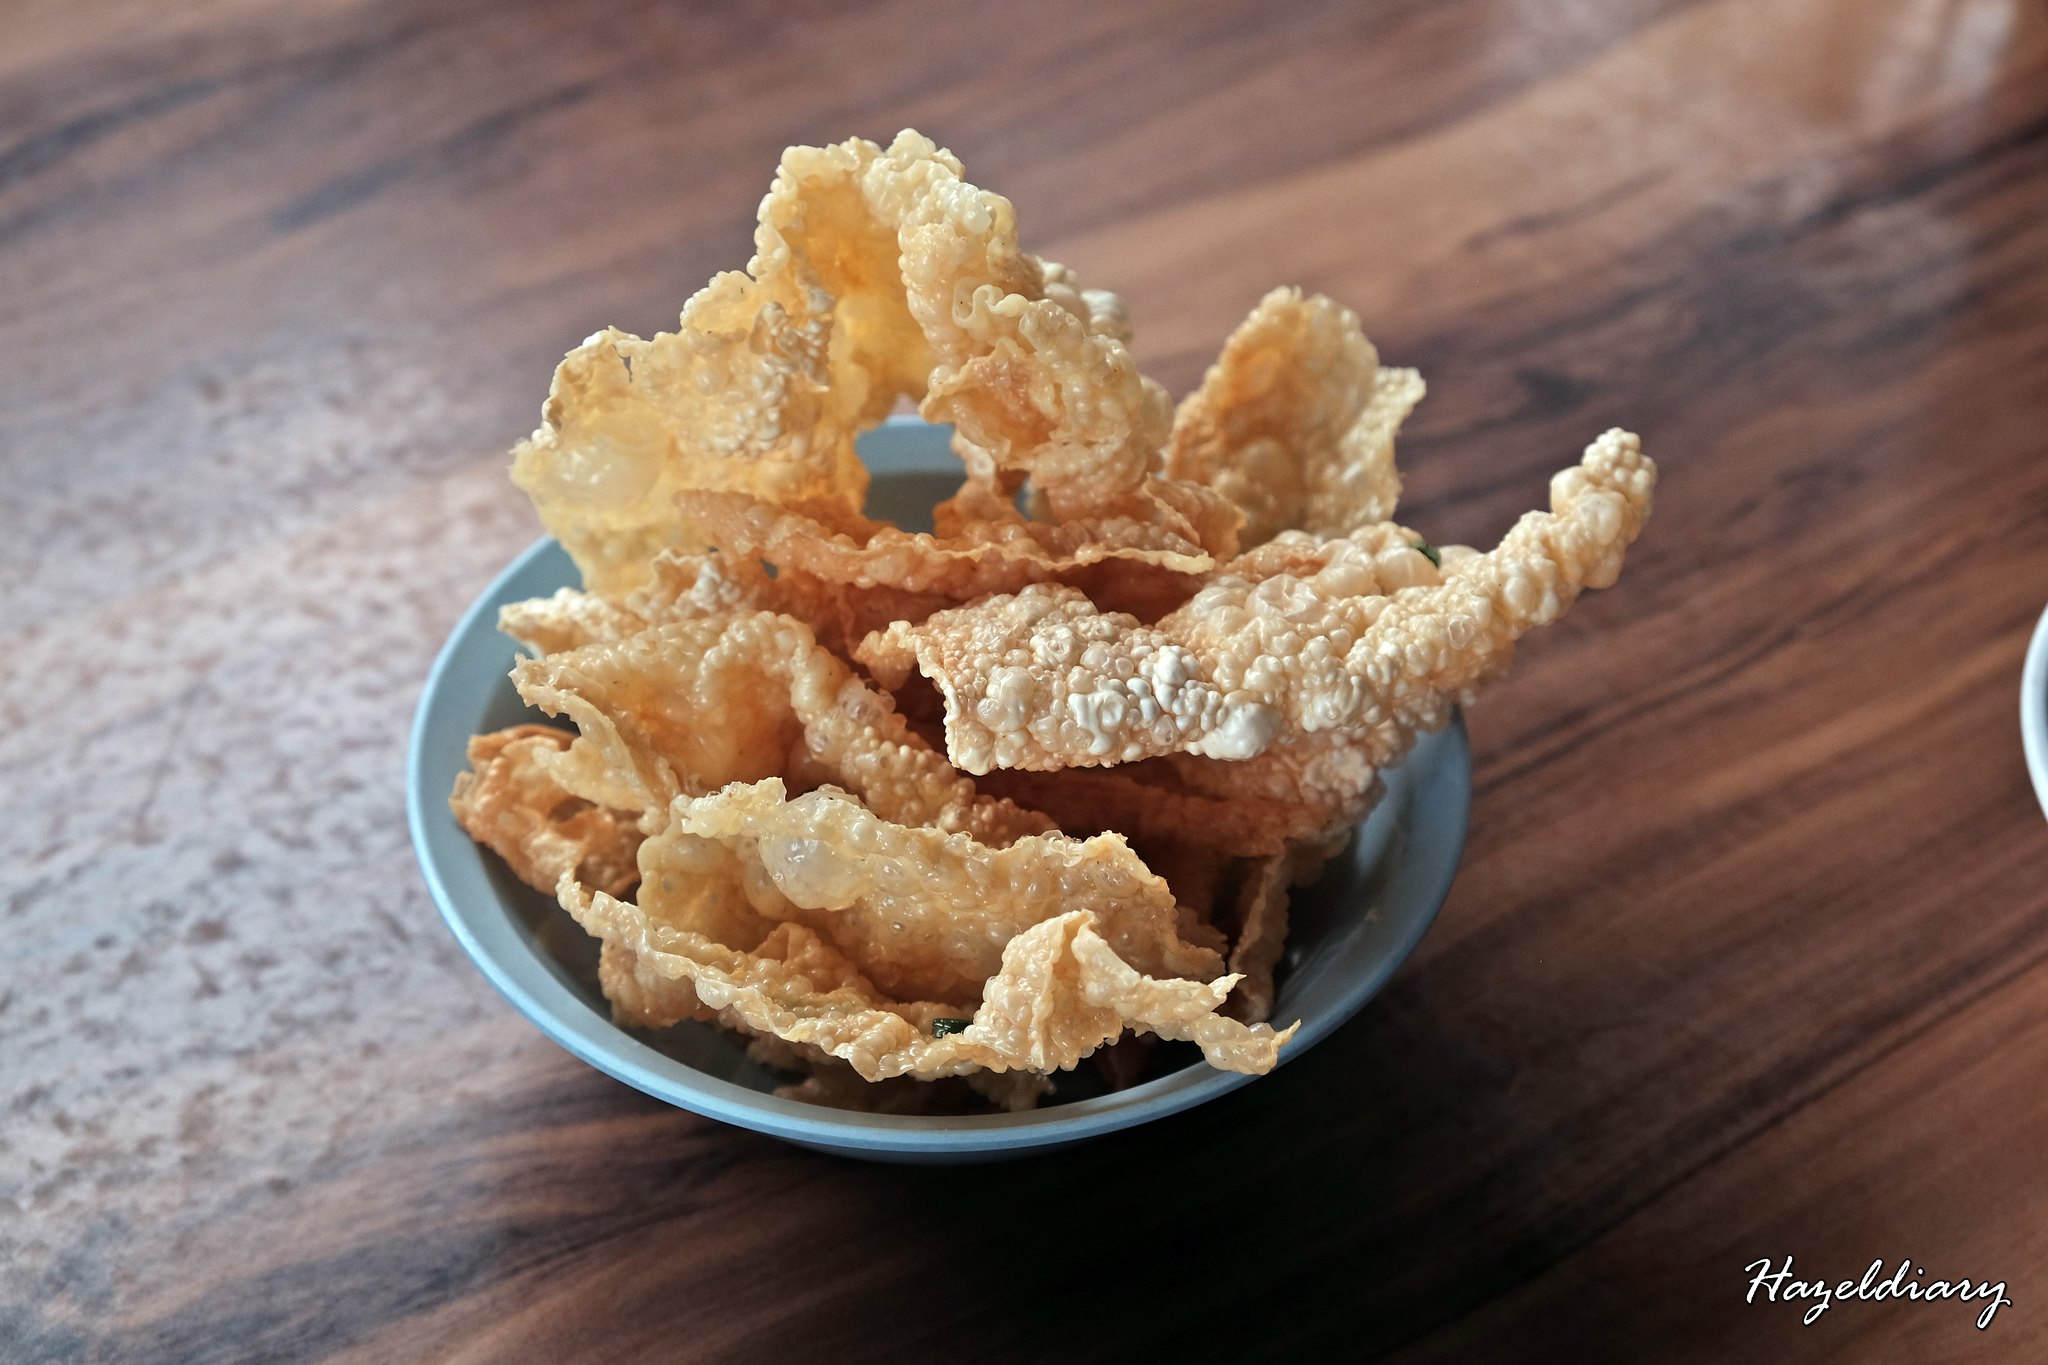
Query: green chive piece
(943,1027)
(1430,552)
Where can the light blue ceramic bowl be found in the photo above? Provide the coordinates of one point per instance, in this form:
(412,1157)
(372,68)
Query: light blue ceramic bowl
(1350,931)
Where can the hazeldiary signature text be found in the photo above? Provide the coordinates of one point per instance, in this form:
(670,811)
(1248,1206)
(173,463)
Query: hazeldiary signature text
(1907,1282)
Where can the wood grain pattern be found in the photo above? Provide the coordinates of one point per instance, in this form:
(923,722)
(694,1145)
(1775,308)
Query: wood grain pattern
(1749,953)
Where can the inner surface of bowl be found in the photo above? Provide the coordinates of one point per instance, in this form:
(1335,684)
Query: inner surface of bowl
(1349,930)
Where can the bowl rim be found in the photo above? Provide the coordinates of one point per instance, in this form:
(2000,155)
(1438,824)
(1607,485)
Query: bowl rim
(533,988)
(2034,710)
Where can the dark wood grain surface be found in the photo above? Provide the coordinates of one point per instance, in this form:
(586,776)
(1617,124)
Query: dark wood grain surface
(1749,953)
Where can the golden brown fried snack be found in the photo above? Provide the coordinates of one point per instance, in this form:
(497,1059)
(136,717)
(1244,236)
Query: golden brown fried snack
(876,274)
(1062,993)
(1295,421)
(924,914)
(1041,679)
(739,397)
(1153,804)
(691,585)
(981,557)
(686,707)
(509,802)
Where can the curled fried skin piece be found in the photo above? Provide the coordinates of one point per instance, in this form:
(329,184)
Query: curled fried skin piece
(1149,801)
(877,273)
(692,585)
(1260,920)
(981,557)
(510,803)
(738,397)
(688,706)
(1295,421)
(925,914)
(1062,993)
(1041,679)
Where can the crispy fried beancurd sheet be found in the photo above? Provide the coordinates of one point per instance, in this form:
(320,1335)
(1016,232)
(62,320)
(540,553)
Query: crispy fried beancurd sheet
(509,803)
(925,914)
(1041,679)
(1062,992)
(979,558)
(1295,421)
(1150,801)
(689,706)
(1260,921)
(689,586)
(739,396)
(876,274)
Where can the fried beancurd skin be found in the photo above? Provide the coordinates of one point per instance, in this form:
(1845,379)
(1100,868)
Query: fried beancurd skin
(689,586)
(1260,917)
(1041,679)
(689,706)
(738,397)
(509,802)
(979,558)
(877,274)
(925,914)
(1062,993)
(1295,421)
(1150,801)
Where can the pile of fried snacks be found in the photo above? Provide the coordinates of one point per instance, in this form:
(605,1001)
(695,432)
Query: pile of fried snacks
(930,817)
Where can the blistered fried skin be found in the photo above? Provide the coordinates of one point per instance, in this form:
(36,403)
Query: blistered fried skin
(688,706)
(1062,993)
(689,586)
(982,557)
(509,802)
(1034,375)
(738,397)
(1312,786)
(1295,421)
(877,273)
(1041,679)
(1151,802)
(645,999)
(925,914)
(567,619)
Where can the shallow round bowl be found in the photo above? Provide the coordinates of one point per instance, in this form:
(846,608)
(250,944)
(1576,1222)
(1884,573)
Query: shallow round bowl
(1350,930)
(2034,710)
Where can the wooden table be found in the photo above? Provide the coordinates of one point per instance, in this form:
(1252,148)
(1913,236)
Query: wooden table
(1748,957)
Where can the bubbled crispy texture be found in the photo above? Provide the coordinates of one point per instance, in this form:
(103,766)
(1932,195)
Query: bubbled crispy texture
(1033,373)
(676,708)
(1295,422)
(1062,992)
(925,914)
(738,397)
(509,802)
(1150,802)
(688,706)
(688,586)
(1041,679)
(641,997)
(981,557)
(1321,784)
(1247,700)
(680,586)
